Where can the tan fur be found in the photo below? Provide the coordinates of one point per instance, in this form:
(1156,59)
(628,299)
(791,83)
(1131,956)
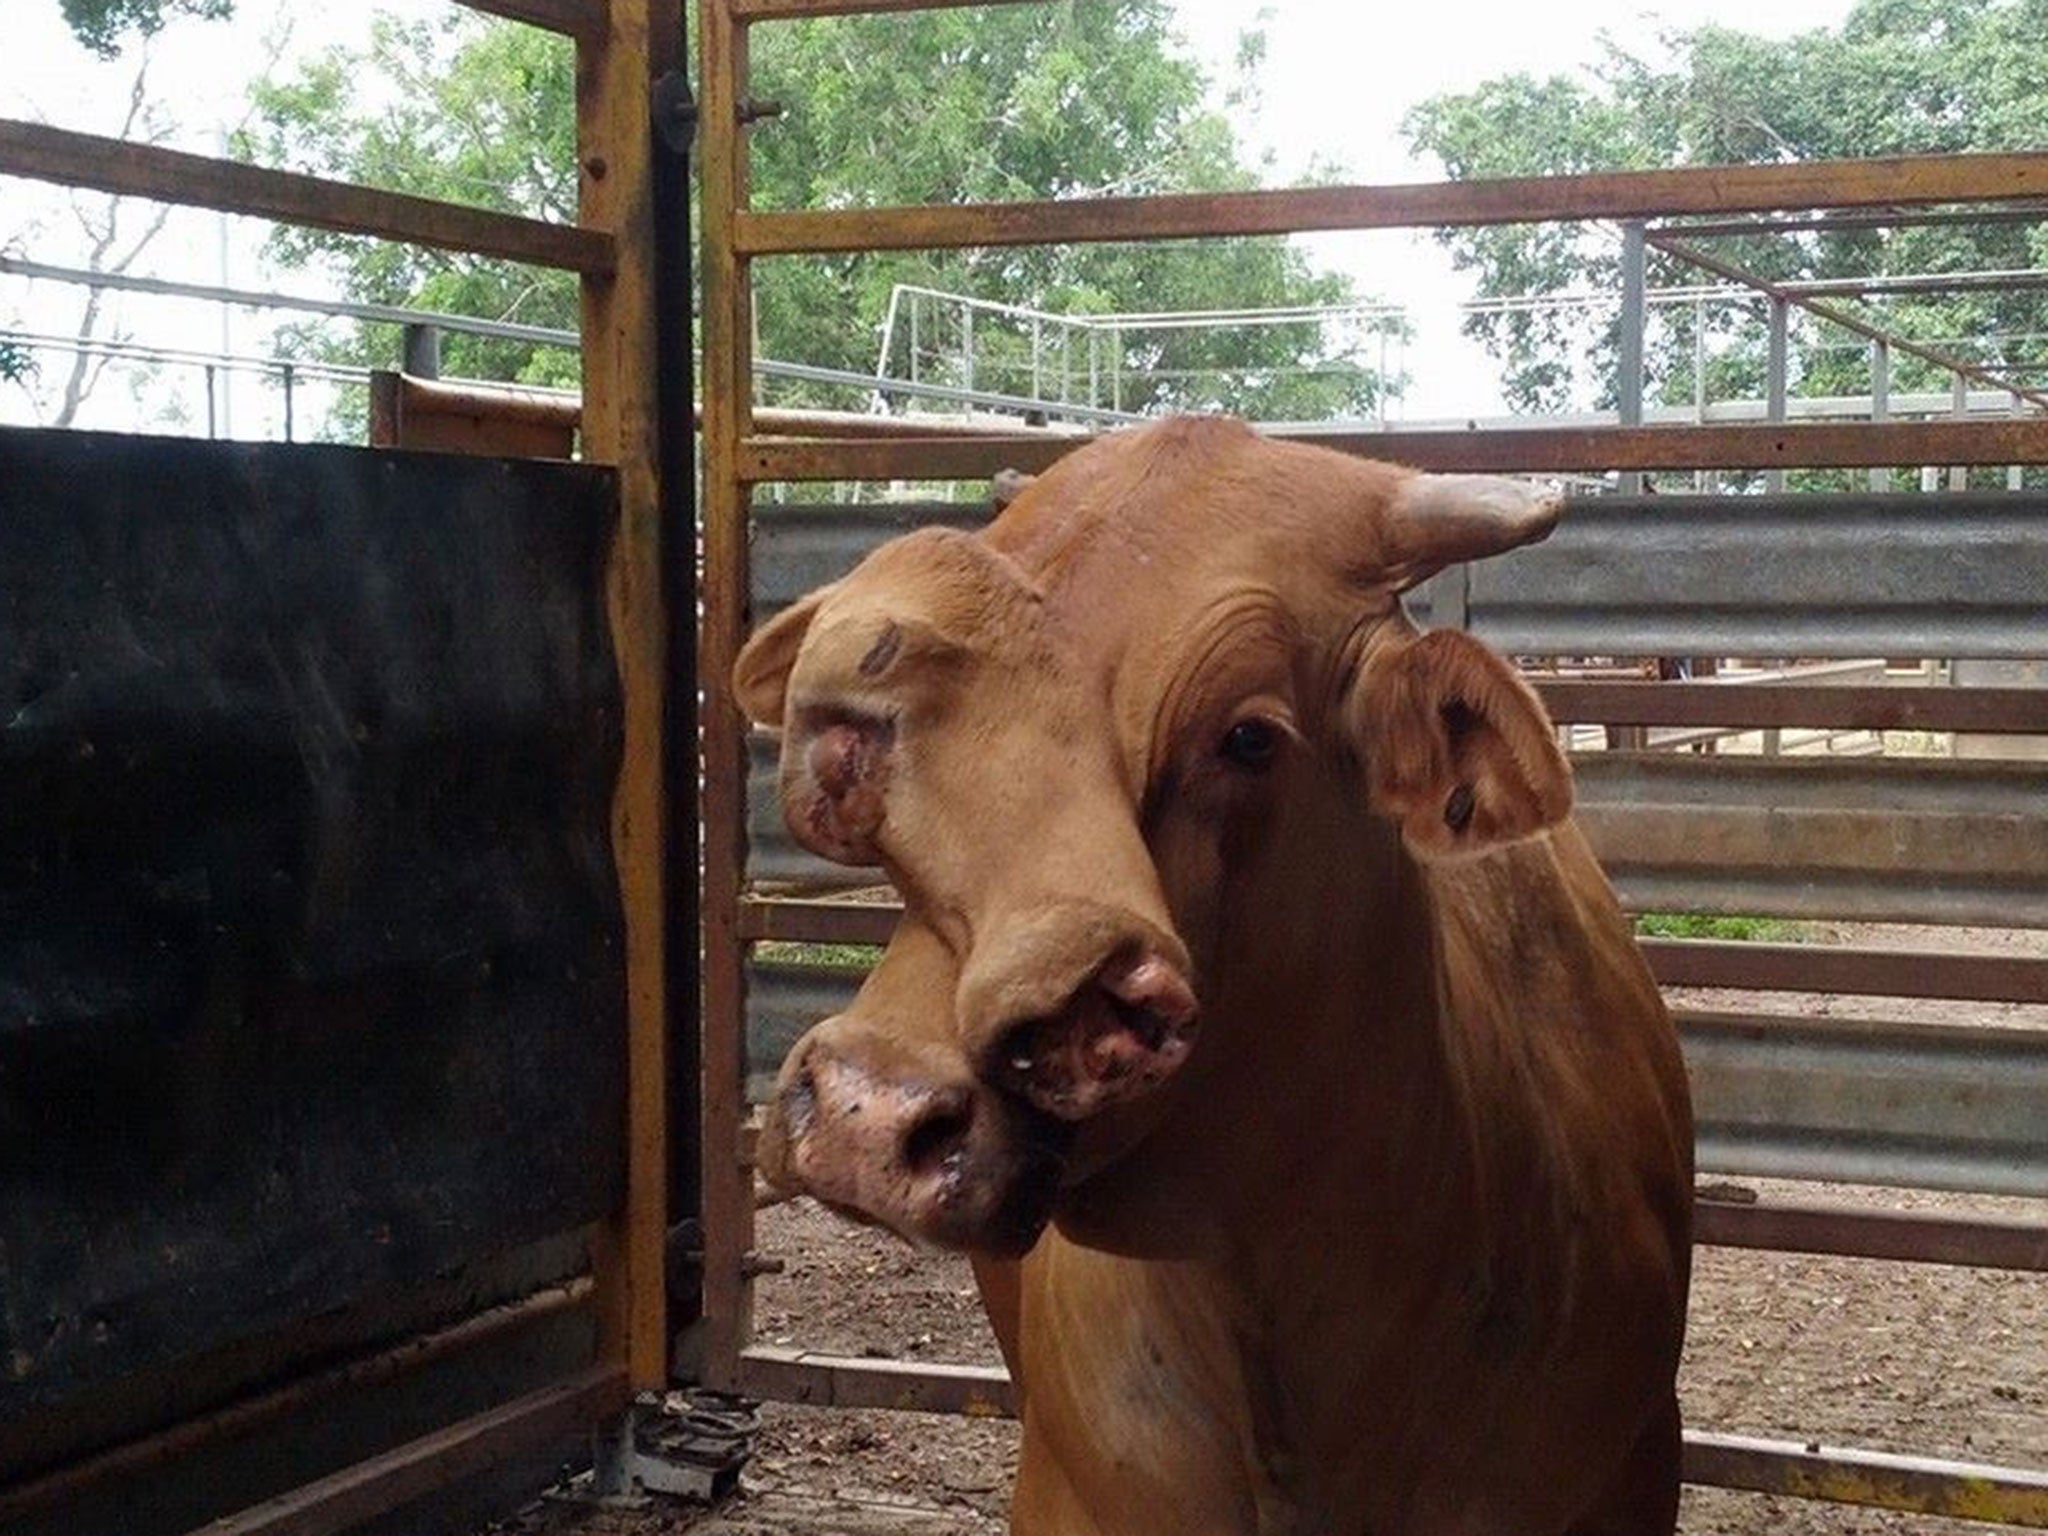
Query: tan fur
(1401,1245)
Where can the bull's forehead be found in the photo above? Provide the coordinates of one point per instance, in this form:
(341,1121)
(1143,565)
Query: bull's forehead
(1144,524)
(1128,574)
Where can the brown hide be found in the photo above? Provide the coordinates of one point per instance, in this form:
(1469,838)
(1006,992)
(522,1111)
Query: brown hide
(1249,943)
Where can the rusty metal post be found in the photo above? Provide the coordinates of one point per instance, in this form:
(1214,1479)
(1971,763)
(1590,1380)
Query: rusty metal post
(1628,382)
(621,426)
(727,1182)
(420,351)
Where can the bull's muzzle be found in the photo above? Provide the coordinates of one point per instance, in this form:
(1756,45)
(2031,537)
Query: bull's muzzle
(903,1134)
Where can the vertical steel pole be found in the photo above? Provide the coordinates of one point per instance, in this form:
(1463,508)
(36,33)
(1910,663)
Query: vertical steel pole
(1628,383)
(1959,407)
(1701,478)
(2015,477)
(916,304)
(288,402)
(1880,402)
(1778,367)
(422,351)
(880,400)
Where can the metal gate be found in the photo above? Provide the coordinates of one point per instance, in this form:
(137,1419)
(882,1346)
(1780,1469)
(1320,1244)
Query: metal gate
(338,1030)
(1946,843)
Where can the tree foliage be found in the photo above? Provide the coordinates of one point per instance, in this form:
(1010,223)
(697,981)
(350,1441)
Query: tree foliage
(103,25)
(1897,77)
(1085,97)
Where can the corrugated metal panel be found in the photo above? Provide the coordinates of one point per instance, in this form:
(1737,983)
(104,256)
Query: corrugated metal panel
(782,1002)
(1880,840)
(1946,575)
(1924,1107)
(794,549)
(1851,575)
(1884,840)
(1807,575)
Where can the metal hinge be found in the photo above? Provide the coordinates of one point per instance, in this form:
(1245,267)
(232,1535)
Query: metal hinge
(675,112)
(688,1444)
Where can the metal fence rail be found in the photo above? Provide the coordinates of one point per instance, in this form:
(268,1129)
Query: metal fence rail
(1948,575)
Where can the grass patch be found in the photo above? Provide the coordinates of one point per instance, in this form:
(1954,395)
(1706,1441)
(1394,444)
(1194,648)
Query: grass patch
(1700,925)
(839,957)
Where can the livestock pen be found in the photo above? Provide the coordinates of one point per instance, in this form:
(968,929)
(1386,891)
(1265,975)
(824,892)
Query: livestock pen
(606,1178)
(1839,576)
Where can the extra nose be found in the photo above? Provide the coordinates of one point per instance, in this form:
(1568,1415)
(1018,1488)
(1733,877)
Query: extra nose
(893,1137)
(895,1127)
(899,1131)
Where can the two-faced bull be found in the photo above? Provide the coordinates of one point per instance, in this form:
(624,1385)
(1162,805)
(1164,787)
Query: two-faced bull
(1258,1017)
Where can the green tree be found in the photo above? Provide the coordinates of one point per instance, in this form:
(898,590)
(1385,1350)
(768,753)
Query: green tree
(1898,77)
(103,25)
(1091,96)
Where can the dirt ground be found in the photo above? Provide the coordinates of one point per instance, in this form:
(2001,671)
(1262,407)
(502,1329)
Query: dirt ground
(1918,1358)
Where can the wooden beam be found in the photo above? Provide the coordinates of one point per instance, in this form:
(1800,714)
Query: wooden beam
(572,18)
(1844,1475)
(1838,1474)
(387,1482)
(799,920)
(1984,978)
(299,1396)
(1523,450)
(843,1381)
(1855,707)
(621,426)
(1910,1237)
(1897,181)
(791,10)
(43,153)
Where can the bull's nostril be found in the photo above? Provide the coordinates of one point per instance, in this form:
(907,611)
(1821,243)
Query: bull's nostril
(939,1132)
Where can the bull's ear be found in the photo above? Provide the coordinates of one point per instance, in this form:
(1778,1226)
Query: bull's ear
(760,678)
(1456,747)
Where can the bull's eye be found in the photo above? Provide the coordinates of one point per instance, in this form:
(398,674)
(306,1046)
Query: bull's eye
(1252,743)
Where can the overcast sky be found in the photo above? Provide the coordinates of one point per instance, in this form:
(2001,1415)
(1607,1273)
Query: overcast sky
(1338,76)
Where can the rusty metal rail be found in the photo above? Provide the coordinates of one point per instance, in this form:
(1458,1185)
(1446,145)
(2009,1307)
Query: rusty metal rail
(1520,450)
(119,166)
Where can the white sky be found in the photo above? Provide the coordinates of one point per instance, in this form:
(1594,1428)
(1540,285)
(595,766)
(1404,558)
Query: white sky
(1338,76)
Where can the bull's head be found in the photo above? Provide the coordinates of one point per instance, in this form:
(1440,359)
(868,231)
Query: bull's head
(1072,740)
